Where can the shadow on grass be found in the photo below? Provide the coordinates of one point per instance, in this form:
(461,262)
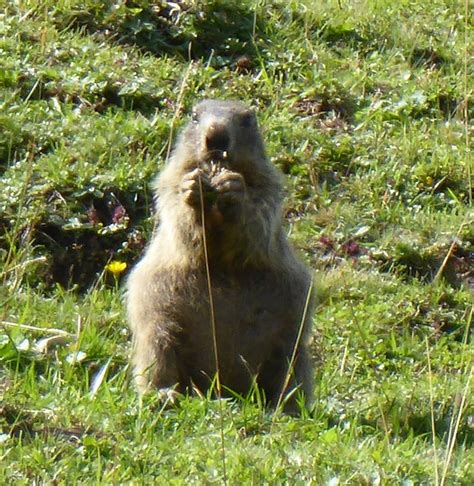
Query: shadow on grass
(103,227)
(221,29)
(399,422)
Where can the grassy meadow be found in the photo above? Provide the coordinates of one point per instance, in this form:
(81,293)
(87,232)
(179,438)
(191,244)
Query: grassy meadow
(366,106)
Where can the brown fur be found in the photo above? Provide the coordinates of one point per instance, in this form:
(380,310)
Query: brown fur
(259,288)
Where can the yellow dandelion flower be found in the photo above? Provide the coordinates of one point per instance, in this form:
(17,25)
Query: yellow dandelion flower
(429,181)
(115,267)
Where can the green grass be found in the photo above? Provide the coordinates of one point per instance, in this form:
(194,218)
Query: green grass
(366,108)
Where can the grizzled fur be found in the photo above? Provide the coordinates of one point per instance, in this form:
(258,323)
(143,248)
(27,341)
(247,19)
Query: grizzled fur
(259,287)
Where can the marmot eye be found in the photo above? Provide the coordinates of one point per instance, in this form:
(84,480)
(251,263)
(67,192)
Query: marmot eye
(247,120)
(195,117)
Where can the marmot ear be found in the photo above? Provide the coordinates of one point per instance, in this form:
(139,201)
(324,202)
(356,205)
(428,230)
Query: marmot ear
(248,119)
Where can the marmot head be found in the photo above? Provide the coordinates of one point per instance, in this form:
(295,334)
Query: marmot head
(225,132)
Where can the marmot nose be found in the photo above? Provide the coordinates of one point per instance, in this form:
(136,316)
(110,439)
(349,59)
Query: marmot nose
(217,138)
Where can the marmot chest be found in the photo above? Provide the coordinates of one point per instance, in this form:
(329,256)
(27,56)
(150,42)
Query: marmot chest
(257,303)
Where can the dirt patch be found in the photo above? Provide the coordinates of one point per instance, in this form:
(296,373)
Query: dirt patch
(329,112)
(427,57)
